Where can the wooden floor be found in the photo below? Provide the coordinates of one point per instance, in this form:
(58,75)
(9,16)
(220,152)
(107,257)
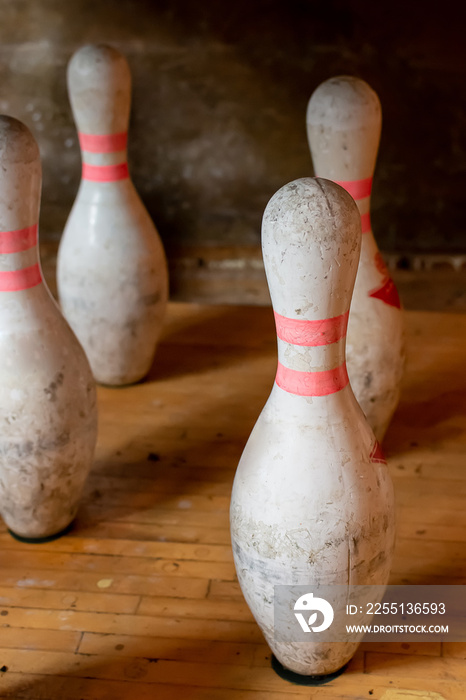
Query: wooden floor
(139,601)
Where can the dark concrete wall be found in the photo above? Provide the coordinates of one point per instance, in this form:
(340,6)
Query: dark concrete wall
(219,99)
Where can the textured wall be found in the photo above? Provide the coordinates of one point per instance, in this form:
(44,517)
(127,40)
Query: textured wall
(219,100)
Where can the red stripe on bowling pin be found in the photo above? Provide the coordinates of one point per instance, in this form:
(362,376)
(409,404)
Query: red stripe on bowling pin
(311,333)
(377,456)
(103,143)
(17,280)
(387,293)
(18,241)
(105,173)
(358,189)
(311,383)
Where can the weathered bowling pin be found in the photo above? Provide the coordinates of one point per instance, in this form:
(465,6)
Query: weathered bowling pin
(111,270)
(48,412)
(343,125)
(312,500)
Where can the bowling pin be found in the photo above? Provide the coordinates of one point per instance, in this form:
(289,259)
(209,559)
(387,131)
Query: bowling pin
(48,410)
(111,271)
(343,125)
(312,500)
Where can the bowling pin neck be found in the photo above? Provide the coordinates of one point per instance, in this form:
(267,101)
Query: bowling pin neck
(311,238)
(20,183)
(311,355)
(99,86)
(104,157)
(19,260)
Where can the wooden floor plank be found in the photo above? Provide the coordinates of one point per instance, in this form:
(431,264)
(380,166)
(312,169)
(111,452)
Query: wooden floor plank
(144,532)
(426,549)
(149,670)
(140,625)
(196,650)
(27,686)
(118,548)
(63,580)
(225,589)
(416,666)
(39,639)
(455,649)
(391,688)
(166,484)
(68,600)
(109,565)
(199,609)
(182,516)
(143,499)
(432,533)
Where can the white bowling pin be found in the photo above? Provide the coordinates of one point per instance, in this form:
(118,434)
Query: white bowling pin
(312,500)
(48,410)
(343,124)
(111,271)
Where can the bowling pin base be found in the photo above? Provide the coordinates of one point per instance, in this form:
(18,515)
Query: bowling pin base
(40,540)
(299,679)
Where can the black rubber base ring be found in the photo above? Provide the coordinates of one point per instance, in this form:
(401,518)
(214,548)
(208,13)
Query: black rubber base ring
(299,679)
(40,540)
